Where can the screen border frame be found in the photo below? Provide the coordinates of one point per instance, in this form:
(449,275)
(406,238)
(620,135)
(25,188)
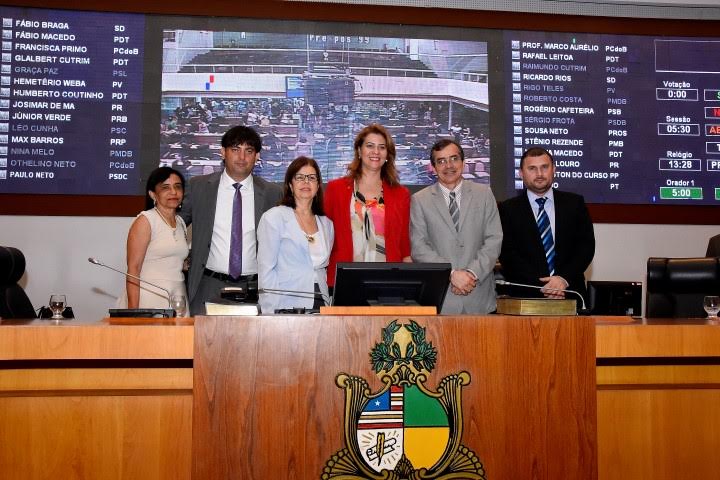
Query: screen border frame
(123,206)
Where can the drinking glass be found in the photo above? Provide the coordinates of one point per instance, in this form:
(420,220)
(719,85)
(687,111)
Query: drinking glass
(179,304)
(57,305)
(711,304)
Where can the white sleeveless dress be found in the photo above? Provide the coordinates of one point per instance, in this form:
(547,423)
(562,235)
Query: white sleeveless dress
(163,262)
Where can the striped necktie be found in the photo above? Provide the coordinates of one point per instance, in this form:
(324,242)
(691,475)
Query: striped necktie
(543,223)
(454,211)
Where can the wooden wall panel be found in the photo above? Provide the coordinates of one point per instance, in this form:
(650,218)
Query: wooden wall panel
(266,404)
(95,437)
(82,432)
(659,433)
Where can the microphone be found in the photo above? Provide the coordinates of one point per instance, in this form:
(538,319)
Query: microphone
(505,282)
(95,261)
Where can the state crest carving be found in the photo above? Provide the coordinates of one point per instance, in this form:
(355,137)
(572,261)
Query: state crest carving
(405,431)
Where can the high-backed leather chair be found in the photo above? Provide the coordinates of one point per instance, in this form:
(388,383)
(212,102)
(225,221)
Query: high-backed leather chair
(676,286)
(14,302)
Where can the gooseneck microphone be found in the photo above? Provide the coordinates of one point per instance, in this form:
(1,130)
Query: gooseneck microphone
(95,261)
(505,282)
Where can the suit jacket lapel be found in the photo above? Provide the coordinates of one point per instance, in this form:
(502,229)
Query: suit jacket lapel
(259,200)
(209,198)
(560,225)
(468,198)
(439,201)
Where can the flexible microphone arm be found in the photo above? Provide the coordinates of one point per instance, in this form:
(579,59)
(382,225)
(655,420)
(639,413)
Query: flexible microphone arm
(95,261)
(505,282)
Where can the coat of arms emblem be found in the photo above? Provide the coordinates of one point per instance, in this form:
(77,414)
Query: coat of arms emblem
(405,431)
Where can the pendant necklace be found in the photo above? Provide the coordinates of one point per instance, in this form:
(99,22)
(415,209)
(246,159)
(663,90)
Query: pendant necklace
(309,237)
(174,230)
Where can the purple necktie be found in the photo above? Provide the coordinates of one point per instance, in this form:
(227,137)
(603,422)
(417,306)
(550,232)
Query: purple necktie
(235,269)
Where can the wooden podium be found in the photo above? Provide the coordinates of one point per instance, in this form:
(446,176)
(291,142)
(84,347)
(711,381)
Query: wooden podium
(266,403)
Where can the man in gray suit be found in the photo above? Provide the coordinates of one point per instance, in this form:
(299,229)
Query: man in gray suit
(457,221)
(213,204)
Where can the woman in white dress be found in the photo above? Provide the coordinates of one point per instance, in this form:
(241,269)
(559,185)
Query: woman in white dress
(157,243)
(294,243)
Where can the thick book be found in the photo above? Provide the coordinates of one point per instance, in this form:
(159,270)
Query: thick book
(536,306)
(231,309)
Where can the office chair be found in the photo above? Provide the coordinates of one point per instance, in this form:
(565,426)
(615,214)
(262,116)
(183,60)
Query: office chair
(14,302)
(676,286)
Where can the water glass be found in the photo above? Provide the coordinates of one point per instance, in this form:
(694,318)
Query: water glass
(57,306)
(179,304)
(711,304)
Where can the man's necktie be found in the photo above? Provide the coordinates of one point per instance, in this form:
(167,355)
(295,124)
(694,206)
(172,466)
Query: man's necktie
(543,223)
(235,268)
(454,211)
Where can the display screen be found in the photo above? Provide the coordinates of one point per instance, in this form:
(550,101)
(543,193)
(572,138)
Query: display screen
(91,102)
(629,119)
(70,102)
(310,93)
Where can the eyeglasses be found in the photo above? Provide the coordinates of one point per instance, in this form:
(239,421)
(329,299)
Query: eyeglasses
(445,161)
(299,177)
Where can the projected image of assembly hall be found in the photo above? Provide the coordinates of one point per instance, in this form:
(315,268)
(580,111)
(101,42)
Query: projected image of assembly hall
(310,95)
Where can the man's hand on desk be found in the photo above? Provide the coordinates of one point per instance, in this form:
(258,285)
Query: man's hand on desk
(553,285)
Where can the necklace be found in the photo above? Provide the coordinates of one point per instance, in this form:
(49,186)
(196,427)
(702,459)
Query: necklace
(309,237)
(174,230)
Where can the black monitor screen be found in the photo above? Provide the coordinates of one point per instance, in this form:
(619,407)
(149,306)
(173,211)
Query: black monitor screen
(369,283)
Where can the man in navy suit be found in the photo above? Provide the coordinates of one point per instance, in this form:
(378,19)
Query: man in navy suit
(555,260)
(208,204)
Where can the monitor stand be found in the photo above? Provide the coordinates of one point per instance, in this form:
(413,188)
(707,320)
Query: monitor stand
(392,302)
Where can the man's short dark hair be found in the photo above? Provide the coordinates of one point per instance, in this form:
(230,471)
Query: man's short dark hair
(440,144)
(536,152)
(241,135)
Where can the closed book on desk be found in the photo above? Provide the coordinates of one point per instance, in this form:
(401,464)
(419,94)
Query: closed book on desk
(230,309)
(536,306)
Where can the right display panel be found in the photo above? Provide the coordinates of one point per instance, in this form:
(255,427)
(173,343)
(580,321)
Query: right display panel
(629,119)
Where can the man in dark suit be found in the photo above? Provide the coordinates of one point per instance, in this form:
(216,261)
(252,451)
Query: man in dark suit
(713,249)
(557,257)
(456,221)
(220,257)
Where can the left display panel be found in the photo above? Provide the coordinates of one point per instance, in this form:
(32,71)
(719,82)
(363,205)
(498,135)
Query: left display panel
(71,102)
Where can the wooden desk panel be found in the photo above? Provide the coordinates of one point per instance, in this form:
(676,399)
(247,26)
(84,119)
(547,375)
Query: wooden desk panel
(658,391)
(658,338)
(657,398)
(76,339)
(266,403)
(89,400)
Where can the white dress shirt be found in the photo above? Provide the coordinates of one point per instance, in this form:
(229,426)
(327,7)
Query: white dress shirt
(446,193)
(219,257)
(549,207)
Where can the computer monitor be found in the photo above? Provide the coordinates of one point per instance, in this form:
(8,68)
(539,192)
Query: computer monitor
(396,284)
(615,298)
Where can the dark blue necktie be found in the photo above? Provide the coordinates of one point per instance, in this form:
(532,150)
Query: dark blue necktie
(235,268)
(543,223)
